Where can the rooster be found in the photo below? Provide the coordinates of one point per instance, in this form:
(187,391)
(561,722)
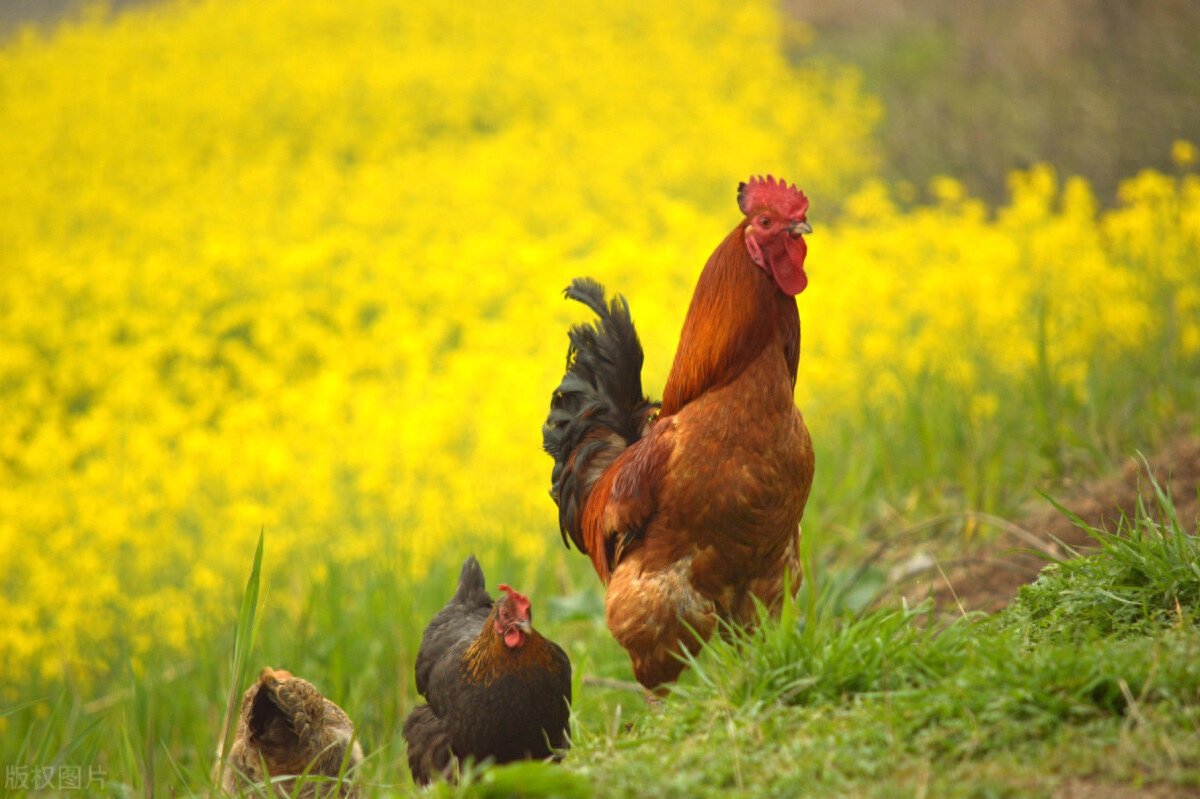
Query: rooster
(690,511)
(287,728)
(495,687)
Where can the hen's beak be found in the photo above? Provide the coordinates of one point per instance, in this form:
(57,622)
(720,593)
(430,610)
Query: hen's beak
(524,625)
(799,228)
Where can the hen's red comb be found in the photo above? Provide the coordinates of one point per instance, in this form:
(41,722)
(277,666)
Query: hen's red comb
(518,600)
(785,200)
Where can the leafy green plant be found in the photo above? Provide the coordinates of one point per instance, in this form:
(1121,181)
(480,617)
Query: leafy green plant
(1145,576)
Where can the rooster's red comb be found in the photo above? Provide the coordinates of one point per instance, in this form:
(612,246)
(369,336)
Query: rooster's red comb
(518,600)
(759,192)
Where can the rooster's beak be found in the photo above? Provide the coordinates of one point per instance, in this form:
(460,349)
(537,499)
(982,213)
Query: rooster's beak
(524,625)
(800,227)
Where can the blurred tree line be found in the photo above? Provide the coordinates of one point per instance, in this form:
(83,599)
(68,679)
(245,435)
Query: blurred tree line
(1098,88)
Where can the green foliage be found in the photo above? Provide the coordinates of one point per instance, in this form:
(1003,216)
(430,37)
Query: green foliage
(1145,578)
(243,643)
(518,781)
(816,652)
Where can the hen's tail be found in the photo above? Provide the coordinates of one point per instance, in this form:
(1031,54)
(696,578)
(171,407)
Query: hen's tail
(472,590)
(428,740)
(598,409)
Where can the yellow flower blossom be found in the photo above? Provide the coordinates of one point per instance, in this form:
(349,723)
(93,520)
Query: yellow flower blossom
(1183,153)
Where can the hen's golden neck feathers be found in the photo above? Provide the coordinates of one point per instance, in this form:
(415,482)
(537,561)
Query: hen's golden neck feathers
(489,656)
(735,312)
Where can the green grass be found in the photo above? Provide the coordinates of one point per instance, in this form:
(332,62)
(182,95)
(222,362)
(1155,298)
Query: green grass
(243,644)
(1092,674)
(1145,581)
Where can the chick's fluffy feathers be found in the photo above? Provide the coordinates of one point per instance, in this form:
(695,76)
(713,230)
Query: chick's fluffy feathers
(287,727)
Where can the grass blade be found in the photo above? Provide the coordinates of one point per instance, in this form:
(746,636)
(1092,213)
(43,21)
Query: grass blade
(243,643)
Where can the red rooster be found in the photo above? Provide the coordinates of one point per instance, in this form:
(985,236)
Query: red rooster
(496,688)
(691,510)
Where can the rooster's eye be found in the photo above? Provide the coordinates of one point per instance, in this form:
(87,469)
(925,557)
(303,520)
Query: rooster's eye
(765,221)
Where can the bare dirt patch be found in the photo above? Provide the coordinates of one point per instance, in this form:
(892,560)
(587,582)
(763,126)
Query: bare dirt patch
(987,579)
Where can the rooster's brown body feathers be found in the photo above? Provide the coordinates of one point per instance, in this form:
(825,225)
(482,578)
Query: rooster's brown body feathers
(691,516)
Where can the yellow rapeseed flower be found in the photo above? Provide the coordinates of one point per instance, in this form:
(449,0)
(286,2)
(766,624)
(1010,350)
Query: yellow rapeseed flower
(299,266)
(1183,153)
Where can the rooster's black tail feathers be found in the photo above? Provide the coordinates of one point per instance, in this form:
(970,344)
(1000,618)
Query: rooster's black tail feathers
(598,409)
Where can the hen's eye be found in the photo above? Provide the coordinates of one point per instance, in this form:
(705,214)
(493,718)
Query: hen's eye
(765,221)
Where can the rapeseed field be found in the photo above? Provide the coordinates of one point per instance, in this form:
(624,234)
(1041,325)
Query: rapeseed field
(298,266)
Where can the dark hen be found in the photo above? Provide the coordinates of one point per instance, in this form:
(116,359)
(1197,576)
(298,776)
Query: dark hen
(496,689)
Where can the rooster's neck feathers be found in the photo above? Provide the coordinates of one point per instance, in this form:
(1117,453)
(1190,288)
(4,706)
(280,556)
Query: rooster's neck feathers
(736,311)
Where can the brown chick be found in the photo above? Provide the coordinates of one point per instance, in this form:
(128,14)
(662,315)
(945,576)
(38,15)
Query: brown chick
(287,727)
